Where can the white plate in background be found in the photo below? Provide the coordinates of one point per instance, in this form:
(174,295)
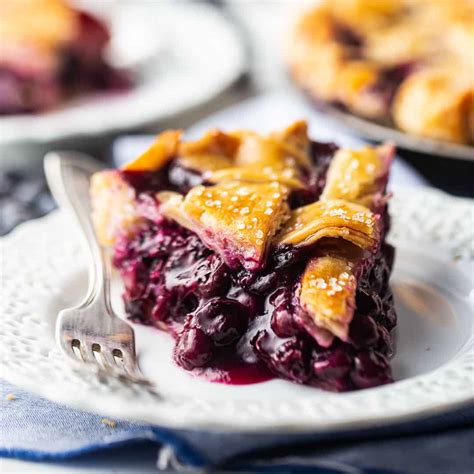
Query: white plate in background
(264,113)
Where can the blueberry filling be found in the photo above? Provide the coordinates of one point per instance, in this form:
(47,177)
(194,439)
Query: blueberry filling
(233,318)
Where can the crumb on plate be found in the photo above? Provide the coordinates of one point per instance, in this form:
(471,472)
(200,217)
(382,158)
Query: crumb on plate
(110,423)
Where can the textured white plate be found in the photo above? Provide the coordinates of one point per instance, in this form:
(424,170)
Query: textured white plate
(174,48)
(44,271)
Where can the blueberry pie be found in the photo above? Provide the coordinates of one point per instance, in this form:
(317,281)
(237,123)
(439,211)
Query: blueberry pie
(48,52)
(403,62)
(262,255)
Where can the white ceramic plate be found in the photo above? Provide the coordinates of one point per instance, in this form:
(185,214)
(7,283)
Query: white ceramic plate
(180,65)
(44,271)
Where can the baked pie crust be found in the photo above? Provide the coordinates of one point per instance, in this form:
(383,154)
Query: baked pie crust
(114,206)
(328,289)
(235,219)
(241,266)
(329,282)
(330,219)
(405,61)
(160,152)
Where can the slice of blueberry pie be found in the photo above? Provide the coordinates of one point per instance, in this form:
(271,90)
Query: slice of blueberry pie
(49,51)
(262,255)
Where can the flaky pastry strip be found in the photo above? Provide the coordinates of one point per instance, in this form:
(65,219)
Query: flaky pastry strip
(330,219)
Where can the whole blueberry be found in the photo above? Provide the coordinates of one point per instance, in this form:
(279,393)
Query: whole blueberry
(363,331)
(211,276)
(183,178)
(193,349)
(283,323)
(222,319)
(287,255)
(371,369)
(390,316)
(289,358)
(368,302)
(282,320)
(385,344)
(330,364)
(243,297)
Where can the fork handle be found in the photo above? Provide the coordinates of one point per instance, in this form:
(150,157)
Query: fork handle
(68,175)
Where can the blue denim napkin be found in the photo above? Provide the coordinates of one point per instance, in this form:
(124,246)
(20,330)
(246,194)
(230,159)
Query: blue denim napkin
(32,428)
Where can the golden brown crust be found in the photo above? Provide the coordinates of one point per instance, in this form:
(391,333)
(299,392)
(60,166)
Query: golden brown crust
(344,52)
(446,104)
(245,214)
(160,152)
(37,30)
(359,176)
(265,165)
(214,142)
(327,296)
(330,71)
(45,23)
(329,282)
(236,219)
(330,219)
(240,155)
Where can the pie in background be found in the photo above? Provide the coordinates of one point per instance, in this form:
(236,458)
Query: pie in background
(409,63)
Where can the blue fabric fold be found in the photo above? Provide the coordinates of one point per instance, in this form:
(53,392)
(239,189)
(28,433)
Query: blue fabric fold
(33,428)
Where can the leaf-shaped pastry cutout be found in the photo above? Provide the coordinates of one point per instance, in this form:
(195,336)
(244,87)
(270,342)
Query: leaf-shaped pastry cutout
(160,152)
(359,176)
(327,297)
(235,219)
(334,219)
(114,210)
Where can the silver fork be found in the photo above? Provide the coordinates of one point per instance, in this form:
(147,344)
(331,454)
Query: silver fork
(90,332)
